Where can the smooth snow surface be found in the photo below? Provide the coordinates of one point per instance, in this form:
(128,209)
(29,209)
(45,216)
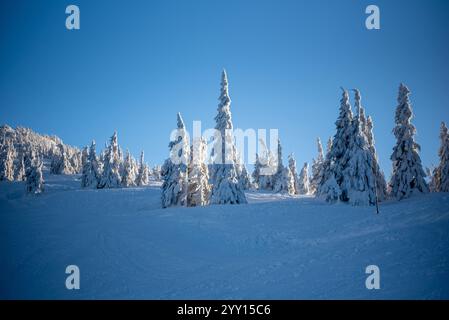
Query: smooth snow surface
(276,246)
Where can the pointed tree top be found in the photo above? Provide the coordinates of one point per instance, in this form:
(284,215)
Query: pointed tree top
(224,75)
(444,130)
(403,88)
(357,97)
(345,96)
(180,121)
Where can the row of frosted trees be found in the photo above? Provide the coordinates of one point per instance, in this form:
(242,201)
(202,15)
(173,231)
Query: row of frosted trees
(189,181)
(23,152)
(349,171)
(112,170)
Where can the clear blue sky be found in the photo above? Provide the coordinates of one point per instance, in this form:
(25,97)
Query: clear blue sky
(134,64)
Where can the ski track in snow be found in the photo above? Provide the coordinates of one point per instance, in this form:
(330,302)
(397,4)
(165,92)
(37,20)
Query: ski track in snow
(276,246)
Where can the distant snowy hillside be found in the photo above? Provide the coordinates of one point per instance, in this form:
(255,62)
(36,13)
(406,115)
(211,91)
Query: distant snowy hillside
(273,247)
(23,140)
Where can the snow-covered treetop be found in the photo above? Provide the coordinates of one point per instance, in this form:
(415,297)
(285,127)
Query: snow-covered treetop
(403,112)
(360,116)
(180,121)
(279,156)
(369,131)
(345,117)
(329,145)
(223,118)
(443,131)
(320,157)
(179,146)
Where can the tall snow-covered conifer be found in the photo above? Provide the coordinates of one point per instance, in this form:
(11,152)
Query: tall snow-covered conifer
(128,178)
(267,167)
(175,169)
(337,157)
(199,188)
(381,184)
(294,173)
(85,169)
(20,173)
(317,168)
(284,181)
(358,185)
(61,162)
(143,174)
(304,180)
(110,177)
(226,187)
(408,176)
(92,173)
(441,172)
(34,177)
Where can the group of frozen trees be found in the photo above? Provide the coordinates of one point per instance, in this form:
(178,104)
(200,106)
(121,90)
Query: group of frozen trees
(440,175)
(350,171)
(23,153)
(111,169)
(189,181)
(270,173)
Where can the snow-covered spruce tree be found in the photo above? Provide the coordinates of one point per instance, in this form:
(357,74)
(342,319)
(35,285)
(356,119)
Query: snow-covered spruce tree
(75,161)
(199,189)
(34,177)
(226,187)
(156,173)
(441,172)
(256,172)
(337,157)
(20,173)
(7,157)
(143,173)
(135,169)
(381,183)
(175,169)
(294,173)
(84,157)
(91,170)
(408,174)
(284,181)
(242,173)
(268,167)
(358,185)
(128,178)
(110,177)
(86,167)
(304,180)
(245,180)
(317,169)
(60,163)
